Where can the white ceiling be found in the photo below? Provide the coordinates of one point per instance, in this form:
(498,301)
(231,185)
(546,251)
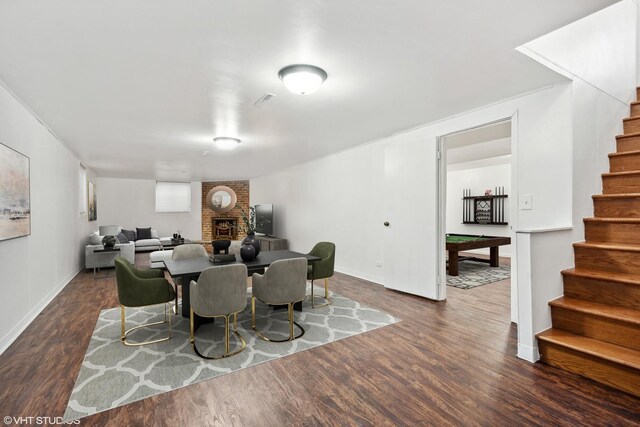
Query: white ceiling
(489,132)
(139,88)
(480,151)
(486,142)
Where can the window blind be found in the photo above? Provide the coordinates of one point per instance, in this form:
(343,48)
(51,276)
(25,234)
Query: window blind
(173,196)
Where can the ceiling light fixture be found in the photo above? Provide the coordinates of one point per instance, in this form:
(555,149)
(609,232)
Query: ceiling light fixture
(302,79)
(226,143)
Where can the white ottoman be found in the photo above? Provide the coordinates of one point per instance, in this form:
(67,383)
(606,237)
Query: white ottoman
(156,258)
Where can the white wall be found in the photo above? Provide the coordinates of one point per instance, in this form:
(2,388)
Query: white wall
(478,176)
(337,198)
(599,54)
(131,203)
(35,268)
(340,197)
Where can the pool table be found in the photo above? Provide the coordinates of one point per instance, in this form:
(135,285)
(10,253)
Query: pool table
(464,242)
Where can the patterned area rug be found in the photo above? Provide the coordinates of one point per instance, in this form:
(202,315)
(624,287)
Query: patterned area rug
(113,375)
(473,274)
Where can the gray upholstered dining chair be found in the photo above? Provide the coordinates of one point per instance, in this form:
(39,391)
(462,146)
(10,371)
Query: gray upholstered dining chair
(284,283)
(219,292)
(185,252)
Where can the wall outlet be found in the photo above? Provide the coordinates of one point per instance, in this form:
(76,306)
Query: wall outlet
(378,263)
(525,202)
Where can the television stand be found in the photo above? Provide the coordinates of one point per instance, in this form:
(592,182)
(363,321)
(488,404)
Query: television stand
(270,243)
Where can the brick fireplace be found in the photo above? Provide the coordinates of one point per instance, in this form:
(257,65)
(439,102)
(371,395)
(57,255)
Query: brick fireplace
(210,218)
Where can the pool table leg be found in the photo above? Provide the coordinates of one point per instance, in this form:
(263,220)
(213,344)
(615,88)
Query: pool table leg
(494,260)
(453,263)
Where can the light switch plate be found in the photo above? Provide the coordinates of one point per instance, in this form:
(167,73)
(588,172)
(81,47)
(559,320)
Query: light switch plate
(525,202)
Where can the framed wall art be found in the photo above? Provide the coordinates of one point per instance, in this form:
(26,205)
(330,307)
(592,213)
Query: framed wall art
(93,202)
(15,194)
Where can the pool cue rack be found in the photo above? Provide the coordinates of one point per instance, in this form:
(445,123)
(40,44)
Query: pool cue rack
(487,210)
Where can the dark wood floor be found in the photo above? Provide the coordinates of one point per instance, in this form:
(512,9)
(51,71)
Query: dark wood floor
(445,363)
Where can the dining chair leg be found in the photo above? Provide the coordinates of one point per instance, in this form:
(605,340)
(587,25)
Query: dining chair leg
(226,335)
(227,345)
(175,304)
(191,334)
(313,299)
(122,323)
(326,295)
(124,334)
(290,321)
(253,312)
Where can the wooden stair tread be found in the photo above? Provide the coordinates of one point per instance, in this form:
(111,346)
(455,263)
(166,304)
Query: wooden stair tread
(602,275)
(622,314)
(616,196)
(635,103)
(623,173)
(613,220)
(608,246)
(628,119)
(612,352)
(628,135)
(625,153)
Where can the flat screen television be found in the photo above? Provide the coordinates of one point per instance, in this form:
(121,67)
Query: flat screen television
(264,219)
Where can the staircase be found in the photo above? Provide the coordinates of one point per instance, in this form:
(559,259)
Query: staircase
(596,324)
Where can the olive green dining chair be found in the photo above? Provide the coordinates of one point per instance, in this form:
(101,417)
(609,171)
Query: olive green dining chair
(140,288)
(322,269)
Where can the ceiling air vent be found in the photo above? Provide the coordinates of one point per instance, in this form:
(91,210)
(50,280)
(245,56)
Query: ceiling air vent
(264,98)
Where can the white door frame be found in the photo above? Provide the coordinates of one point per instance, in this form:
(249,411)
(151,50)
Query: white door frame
(513,208)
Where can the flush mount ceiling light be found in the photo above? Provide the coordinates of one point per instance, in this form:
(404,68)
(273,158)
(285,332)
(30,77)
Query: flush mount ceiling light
(226,143)
(302,79)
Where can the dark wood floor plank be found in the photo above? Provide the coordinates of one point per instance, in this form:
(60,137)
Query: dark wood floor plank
(445,363)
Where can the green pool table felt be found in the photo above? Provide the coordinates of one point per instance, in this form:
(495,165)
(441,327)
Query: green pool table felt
(455,238)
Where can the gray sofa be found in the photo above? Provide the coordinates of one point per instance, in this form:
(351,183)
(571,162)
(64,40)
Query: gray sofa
(147,245)
(97,260)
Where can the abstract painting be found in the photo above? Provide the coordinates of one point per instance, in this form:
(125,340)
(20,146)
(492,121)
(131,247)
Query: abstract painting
(15,202)
(93,202)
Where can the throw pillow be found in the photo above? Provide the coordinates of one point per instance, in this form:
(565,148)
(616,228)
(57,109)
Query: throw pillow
(95,239)
(143,233)
(131,234)
(122,238)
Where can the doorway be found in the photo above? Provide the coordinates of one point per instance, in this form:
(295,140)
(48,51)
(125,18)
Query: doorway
(476,181)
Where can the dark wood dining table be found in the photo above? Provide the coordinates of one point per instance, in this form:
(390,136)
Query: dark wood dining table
(189,269)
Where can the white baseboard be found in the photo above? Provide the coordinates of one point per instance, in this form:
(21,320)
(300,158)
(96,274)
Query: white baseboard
(528,353)
(364,276)
(15,332)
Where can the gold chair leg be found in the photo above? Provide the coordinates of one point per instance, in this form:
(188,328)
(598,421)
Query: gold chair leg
(290,309)
(226,335)
(326,295)
(191,334)
(123,334)
(289,318)
(175,304)
(226,338)
(253,312)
